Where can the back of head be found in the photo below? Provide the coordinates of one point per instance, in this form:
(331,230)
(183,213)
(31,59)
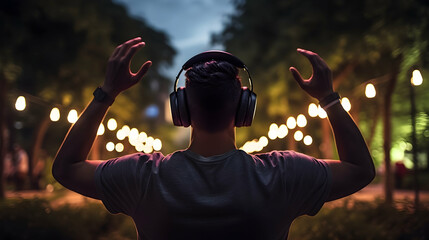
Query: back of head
(213,91)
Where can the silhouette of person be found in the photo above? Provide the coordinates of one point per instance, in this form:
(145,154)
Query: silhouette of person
(212,190)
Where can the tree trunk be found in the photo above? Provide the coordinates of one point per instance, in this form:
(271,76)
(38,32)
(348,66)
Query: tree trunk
(37,146)
(387,135)
(2,130)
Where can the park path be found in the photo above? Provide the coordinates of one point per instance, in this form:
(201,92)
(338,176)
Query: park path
(370,193)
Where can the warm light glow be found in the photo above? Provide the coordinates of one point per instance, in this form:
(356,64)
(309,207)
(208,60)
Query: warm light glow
(142,137)
(157,144)
(308,140)
(119,147)
(112,124)
(134,134)
(20,103)
(370,91)
(72,117)
(263,141)
(120,134)
(100,130)
(321,112)
(126,130)
(149,141)
(273,132)
(55,114)
(110,146)
(312,110)
(298,135)
(301,120)
(139,147)
(417,78)
(291,123)
(282,132)
(346,104)
(147,149)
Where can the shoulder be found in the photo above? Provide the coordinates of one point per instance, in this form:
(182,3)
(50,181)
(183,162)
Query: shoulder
(135,160)
(283,157)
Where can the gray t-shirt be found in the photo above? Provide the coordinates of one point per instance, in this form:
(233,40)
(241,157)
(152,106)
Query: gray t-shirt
(231,196)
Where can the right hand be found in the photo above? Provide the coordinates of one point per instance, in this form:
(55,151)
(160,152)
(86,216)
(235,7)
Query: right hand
(319,85)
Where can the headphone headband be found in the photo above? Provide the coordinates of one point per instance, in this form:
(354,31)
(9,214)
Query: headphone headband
(214,55)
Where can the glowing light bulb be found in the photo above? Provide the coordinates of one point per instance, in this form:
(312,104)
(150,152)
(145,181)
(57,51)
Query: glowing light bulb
(417,78)
(55,114)
(134,134)
(142,137)
(120,134)
(308,140)
(370,91)
(157,144)
(301,120)
(100,130)
(126,129)
(20,103)
(313,110)
(264,141)
(273,132)
(282,132)
(345,102)
(110,146)
(321,112)
(112,124)
(119,147)
(72,116)
(291,123)
(298,135)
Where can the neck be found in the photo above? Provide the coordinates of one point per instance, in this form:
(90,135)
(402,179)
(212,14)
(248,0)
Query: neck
(209,144)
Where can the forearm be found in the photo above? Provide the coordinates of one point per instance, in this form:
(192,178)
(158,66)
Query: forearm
(79,139)
(350,143)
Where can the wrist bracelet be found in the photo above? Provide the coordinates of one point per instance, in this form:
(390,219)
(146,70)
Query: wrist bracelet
(331,98)
(331,104)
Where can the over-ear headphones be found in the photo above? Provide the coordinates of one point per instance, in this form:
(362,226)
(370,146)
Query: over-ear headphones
(246,107)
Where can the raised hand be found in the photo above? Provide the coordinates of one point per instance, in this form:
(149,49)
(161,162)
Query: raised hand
(119,76)
(319,85)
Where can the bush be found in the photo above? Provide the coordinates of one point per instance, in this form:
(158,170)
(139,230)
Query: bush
(363,220)
(36,219)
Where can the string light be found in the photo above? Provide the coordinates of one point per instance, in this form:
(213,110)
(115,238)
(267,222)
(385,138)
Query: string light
(308,140)
(264,141)
(72,116)
(120,134)
(321,112)
(370,91)
(20,103)
(298,136)
(273,132)
(112,124)
(291,123)
(313,110)
(119,147)
(282,131)
(416,78)
(100,130)
(110,146)
(157,144)
(126,129)
(55,114)
(345,102)
(301,121)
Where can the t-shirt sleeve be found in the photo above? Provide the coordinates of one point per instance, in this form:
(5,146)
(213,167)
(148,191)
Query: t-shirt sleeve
(120,182)
(309,183)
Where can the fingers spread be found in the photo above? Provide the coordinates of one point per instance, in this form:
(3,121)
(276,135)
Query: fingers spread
(296,75)
(123,48)
(132,50)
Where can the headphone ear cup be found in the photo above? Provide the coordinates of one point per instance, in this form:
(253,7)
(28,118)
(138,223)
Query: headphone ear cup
(175,110)
(182,107)
(250,113)
(242,107)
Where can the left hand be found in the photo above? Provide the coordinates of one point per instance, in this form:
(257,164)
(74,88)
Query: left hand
(119,76)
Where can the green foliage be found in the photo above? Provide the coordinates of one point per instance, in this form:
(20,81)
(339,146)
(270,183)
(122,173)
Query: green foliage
(363,220)
(36,219)
(360,40)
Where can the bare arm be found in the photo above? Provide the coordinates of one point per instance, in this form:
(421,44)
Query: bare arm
(355,169)
(71,168)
